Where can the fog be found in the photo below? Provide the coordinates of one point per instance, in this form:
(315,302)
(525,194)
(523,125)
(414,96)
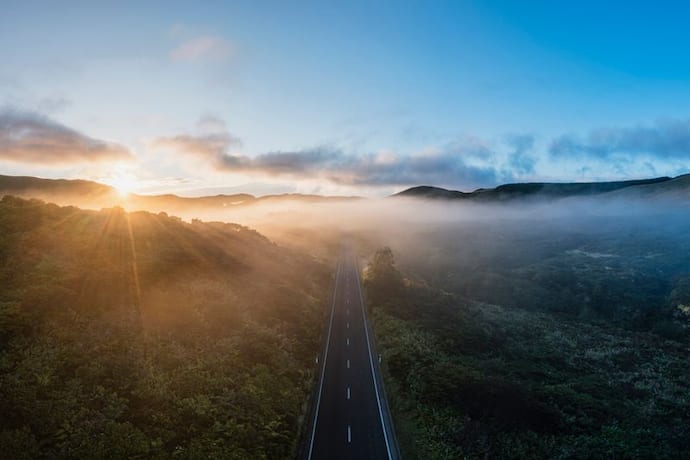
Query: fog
(619,258)
(411,226)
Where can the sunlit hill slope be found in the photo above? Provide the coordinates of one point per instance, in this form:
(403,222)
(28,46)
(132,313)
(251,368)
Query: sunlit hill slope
(139,335)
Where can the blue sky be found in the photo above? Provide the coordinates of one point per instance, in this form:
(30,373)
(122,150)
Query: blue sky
(344,97)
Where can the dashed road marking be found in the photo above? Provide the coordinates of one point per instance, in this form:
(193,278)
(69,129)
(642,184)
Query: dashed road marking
(323,366)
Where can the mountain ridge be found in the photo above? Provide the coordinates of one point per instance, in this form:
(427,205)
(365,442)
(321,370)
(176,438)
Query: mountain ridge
(93,194)
(85,193)
(555,190)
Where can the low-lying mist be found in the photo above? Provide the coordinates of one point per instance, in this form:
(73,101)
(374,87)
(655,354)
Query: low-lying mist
(618,255)
(416,228)
(620,260)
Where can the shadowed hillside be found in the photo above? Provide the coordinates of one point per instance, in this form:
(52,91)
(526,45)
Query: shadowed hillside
(537,190)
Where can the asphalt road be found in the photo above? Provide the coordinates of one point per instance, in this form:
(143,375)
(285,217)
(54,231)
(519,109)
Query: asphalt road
(351,418)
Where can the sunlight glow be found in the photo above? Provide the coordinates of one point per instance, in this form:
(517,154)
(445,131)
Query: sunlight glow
(124,182)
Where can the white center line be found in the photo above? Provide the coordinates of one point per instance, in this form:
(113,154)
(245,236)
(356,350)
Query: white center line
(349,434)
(371,364)
(348,392)
(348,363)
(348,341)
(348,325)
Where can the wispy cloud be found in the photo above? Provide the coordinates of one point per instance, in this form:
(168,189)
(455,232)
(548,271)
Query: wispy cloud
(665,140)
(203,48)
(211,124)
(213,147)
(521,159)
(53,105)
(331,163)
(29,137)
(466,162)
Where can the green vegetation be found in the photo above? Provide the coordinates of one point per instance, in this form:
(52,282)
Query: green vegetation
(134,335)
(469,379)
(629,271)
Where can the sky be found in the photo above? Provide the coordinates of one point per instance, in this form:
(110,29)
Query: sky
(348,97)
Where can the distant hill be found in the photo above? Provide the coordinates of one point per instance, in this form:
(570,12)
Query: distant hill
(551,190)
(678,187)
(428,191)
(93,195)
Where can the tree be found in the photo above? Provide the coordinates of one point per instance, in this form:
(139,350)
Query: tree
(384,278)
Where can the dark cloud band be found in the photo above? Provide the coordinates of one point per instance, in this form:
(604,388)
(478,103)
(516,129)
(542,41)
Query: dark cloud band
(468,162)
(30,137)
(664,140)
(331,163)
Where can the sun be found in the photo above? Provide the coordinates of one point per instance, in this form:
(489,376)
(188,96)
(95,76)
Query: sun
(124,186)
(124,182)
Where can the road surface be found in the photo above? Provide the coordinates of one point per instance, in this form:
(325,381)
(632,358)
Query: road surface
(351,419)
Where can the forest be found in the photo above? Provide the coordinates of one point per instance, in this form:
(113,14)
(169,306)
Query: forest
(537,339)
(138,335)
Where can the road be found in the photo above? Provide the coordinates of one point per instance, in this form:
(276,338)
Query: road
(351,419)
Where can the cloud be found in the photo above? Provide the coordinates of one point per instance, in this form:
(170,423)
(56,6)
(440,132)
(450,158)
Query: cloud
(203,48)
(213,148)
(53,105)
(211,124)
(521,159)
(665,140)
(445,167)
(30,137)
(331,163)
(471,148)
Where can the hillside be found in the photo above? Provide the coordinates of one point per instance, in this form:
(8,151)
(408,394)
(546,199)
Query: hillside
(137,335)
(541,190)
(678,187)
